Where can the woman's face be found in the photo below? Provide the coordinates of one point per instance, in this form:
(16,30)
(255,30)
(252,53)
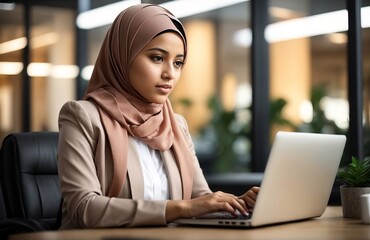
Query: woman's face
(157,68)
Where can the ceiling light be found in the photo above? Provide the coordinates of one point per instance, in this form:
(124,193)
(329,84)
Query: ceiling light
(331,22)
(7,6)
(13,45)
(321,24)
(11,68)
(180,8)
(365,17)
(64,71)
(87,72)
(103,15)
(39,69)
(307,26)
(185,8)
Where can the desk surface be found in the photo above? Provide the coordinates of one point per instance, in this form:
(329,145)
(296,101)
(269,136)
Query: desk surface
(331,225)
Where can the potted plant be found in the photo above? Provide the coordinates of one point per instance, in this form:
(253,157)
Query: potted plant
(356,179)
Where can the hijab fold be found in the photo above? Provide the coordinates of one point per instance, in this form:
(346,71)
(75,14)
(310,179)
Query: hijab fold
(122,109)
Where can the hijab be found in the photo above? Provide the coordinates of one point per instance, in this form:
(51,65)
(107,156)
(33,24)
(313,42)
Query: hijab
(122,109)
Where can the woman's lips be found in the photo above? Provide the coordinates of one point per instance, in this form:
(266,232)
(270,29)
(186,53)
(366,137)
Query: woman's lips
(165,88)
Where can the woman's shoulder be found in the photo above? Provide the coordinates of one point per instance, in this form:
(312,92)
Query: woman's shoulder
(79,104)
(81,111)
(79,107)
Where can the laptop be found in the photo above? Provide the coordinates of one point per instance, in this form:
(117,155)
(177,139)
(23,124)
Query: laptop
(297,182)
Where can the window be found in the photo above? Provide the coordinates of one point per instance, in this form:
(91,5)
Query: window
(12,41)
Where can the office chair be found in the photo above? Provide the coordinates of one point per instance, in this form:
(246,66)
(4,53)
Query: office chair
(16,225)
(29,181)
(2,206)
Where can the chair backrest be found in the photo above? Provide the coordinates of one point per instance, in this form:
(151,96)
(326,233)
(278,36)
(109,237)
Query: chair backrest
(29,176)
(2,206)
(9,226)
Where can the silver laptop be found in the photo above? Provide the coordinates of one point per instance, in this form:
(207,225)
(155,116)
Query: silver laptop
(297,182)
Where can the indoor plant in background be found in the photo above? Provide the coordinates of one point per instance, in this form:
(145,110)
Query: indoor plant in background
(356,179)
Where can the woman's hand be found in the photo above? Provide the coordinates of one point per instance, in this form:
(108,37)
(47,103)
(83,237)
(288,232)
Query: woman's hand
(213,202)
(250,197)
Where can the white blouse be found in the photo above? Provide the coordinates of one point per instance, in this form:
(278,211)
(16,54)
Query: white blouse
(154,172)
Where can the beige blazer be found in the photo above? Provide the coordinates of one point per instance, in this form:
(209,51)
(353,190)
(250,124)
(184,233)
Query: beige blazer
(85,172)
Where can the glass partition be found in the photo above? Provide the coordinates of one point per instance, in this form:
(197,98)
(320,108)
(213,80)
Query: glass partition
(215,94)
(51,71)
(52,68)
(308,59)
(12,41)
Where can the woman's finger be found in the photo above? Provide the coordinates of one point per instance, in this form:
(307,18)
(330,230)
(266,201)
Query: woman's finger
(233,205)
(250,196)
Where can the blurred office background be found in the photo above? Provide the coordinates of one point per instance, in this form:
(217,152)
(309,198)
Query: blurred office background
(235,93)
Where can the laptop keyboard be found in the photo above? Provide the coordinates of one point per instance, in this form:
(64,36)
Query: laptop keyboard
(224,215)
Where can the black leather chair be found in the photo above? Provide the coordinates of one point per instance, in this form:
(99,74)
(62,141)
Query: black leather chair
(16,225)
(2,206)
(29,181)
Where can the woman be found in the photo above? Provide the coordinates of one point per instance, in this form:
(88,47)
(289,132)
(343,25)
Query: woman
(125,158)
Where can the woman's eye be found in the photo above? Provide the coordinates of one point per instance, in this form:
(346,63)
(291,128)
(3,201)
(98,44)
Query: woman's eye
(179,64)
(157,59)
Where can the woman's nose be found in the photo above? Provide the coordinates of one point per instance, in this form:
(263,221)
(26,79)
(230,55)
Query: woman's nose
(168,71)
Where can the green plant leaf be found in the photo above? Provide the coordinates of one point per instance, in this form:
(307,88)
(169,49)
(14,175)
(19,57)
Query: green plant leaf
(356,173)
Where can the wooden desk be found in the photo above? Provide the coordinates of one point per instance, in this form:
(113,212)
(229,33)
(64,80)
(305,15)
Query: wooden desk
(329,226)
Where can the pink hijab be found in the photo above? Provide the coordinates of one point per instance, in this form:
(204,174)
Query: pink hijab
(122,109)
